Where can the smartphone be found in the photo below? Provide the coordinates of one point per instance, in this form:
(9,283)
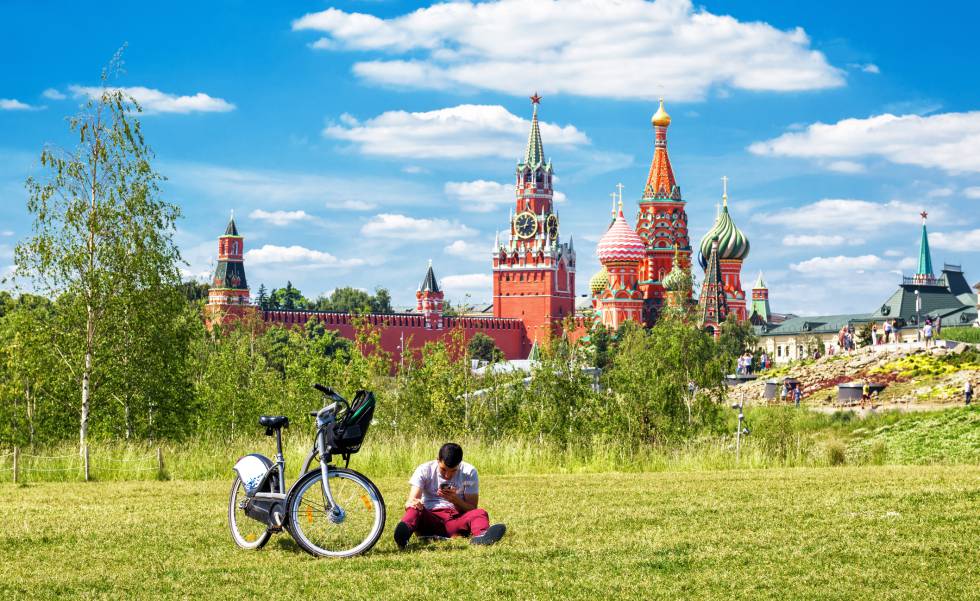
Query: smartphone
(445,485)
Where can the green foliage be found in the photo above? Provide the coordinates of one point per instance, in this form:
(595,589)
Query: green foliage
(352,300)
(864,334)
(962,334)
(736,338)
(102,244)
(287,299)
(652,376)
(483,347)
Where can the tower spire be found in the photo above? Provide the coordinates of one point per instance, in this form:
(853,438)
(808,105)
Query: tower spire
(724,190)
(534,156)
(925,257)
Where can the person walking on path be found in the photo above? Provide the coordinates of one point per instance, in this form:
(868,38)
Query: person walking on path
(888,331)
(444,501)
(927,333)
(797,394)
(865,393)
(874,335)
(968,392)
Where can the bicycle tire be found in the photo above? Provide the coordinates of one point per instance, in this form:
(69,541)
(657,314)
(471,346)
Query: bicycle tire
(233,518)
(372,496)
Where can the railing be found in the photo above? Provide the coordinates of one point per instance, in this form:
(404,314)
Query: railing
(924,280)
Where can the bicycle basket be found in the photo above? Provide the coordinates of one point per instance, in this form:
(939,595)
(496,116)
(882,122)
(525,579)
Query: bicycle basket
(348,435)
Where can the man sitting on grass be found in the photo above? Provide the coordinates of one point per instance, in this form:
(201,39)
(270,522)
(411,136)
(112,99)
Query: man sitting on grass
(443,502)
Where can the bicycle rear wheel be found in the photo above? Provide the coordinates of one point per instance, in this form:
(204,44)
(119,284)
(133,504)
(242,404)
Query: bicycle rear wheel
(353,530)
(246,532)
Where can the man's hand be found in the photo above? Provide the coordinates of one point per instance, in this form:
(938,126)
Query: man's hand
(450,494)
(414,503)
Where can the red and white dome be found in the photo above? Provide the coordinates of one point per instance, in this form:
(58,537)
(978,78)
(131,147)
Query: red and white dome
(620,242)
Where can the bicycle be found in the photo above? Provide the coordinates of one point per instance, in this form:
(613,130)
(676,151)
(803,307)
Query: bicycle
(331,511)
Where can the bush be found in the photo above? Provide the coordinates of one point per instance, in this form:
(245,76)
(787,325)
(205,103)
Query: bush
(836,452)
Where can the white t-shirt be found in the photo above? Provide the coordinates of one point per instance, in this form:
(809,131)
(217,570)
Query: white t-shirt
(427,478)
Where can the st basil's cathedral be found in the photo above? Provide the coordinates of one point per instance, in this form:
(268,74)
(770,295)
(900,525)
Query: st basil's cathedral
(645,269)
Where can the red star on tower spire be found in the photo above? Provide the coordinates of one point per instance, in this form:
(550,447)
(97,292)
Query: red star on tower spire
(923,214)
(535,99)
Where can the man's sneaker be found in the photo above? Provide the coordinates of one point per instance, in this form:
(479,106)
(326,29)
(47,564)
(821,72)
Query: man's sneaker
(403,532)
(492,535)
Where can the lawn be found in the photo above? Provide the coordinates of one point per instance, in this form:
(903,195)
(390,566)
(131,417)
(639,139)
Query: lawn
(833,533)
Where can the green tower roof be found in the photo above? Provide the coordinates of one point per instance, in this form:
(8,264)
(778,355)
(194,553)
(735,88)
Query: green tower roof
(925,257)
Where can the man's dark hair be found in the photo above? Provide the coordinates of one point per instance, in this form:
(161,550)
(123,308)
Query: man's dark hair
(451,454)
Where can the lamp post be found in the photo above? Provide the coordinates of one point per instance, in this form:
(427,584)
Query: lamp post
(918,308)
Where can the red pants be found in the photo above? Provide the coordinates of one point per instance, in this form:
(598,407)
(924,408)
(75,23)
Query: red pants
(446,521)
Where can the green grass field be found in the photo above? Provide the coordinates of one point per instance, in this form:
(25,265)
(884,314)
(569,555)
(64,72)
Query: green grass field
(831,533)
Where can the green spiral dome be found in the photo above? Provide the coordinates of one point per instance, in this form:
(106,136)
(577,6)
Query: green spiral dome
(600,281)
(732,243)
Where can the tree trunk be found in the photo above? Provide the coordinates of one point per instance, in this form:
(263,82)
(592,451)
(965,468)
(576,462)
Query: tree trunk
(86,376)
(30,414)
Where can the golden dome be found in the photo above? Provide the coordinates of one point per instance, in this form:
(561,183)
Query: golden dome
(661,118)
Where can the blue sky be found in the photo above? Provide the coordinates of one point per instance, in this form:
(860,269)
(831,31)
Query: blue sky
(357,140)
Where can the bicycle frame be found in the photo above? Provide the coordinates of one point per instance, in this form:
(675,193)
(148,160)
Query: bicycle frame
(267,507)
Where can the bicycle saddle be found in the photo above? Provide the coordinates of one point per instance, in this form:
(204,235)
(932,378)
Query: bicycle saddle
(274,421)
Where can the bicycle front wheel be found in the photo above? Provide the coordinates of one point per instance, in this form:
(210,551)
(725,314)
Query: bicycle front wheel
(246,532)
(352,528)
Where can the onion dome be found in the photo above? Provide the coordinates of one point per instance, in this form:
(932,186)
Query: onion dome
(677,279)
(661,118)
(621,242)
(600,281)
(732,243)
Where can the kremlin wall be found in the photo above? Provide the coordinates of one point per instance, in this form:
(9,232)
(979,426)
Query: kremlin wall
(645,268)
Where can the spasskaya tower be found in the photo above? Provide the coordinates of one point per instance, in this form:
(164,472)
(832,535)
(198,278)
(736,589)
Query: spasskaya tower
(533,271)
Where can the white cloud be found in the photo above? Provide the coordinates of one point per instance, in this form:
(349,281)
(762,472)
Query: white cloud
(351,205)
(476,284)
(468,250)
(154,101)
(845,167)
(480,196)
(403,227)
(7,233)
(464,131)
(947,141)
(279,217)
(972,192)
(53,94)
(835,266)
(893,253)
(906,264)
(813,240)
(866,67)
(964,241)
(622,49)
(941,192)
(850,215)
(413,169)
(12,104)
(271,254)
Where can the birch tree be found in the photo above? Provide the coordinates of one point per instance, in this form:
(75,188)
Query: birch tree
(99,228)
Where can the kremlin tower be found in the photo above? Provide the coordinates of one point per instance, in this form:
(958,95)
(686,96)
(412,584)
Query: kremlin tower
(228,297)
(533,271)
(661,221)
(733,248)
(621,252)
(429,299)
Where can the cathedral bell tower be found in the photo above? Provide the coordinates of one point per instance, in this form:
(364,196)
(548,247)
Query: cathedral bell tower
(533,271)
(661,222)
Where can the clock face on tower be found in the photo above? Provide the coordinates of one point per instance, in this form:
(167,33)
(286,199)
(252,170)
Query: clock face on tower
(553,227)
(526,224)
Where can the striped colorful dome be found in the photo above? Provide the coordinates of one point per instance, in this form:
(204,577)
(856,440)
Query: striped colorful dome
(732,243)
(600,281)
(620,242)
